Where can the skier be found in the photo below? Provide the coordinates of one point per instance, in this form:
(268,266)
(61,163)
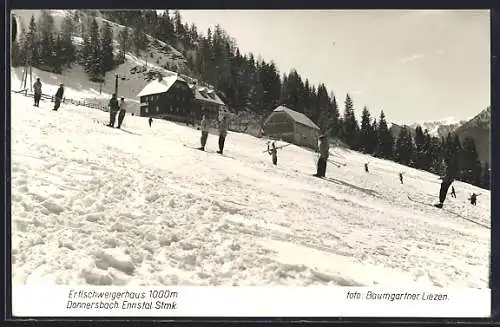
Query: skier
(473,199)
(451,173)
(274,152)
(401,177)
(223,127)
(324,151)
(204,132)
(37,87)
(58,96)
(113,109)
(453,194)
(150,121)
(366,167)
(122,112)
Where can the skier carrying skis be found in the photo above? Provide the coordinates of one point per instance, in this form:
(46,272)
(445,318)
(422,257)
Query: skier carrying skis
(453,194)
(37,87)
(324,152)
(223,127)
(401,177)
(473,199)
(150,120)
(59,96)
(451,173)
(204,132)
(122,112)
(113,109)
(273,152)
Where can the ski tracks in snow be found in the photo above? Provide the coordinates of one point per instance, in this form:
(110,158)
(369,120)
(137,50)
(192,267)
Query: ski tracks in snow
(93,205)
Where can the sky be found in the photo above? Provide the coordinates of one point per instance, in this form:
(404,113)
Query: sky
(417,66)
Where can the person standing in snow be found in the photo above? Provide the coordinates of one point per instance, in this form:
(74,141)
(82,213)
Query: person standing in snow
(401,177)
(273,152)
(121,114)
(37,88)
(150,121)
(58,97)
(451,173)
(113,109)
(473,199)
(204,132)
(223,127)
(453,194)
(366,167)
(324,153)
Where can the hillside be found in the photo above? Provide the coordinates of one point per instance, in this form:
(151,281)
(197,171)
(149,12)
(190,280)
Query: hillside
(94,205)
(133,74)
(479,128)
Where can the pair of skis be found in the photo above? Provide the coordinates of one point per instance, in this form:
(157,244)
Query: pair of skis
(199,149)
(278,147)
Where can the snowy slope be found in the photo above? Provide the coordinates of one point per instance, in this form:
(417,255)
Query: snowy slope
(95,205)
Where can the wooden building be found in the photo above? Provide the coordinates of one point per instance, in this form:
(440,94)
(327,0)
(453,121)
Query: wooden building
(179,98)
(291,126)
(168,97)
(207,101)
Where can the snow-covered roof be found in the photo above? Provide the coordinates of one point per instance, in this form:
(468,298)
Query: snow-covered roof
(297,116)
(157,87)
(203,94)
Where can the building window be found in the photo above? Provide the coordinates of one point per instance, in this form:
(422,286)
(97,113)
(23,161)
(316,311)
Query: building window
(146,110)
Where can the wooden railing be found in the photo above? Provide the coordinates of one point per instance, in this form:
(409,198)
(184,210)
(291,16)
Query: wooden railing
(65,100)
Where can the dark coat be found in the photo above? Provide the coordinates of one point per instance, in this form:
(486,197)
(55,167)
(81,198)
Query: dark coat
(60,92)
(113,105)
(37,87)
(223,126)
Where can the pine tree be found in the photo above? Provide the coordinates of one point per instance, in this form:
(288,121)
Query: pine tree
(108,60)
(139,39)
(179,27)
(419,155)
(32,42)
(93,61)
(404,147)
(56,61)
(366,132)
(385,144)
(423,155)
(471,172)
(437,163)
(46,31)
(165,30)
(68,50)
(335,127)
(255,101)
(124,41)
(373,137)
(326,113)
(351,128)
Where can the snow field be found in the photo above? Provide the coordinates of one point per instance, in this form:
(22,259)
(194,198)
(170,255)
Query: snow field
(101,206)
